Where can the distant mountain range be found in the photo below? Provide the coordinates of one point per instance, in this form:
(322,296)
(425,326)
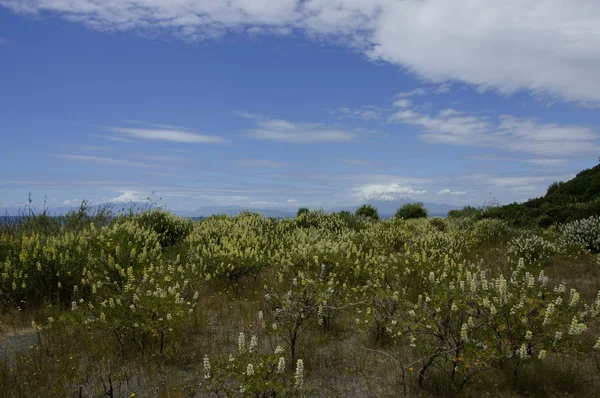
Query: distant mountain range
(386,204)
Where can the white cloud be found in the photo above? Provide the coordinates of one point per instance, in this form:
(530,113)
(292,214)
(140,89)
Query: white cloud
(359,162)
(385,191)
(301,133)
(412,93)
(113,138)
(544,140)
(264,203)
(404,103)
(520,180)
(544,46)
(92,148)
(447,191)
(181,136)
(292,201)
(366,112)
(544,162)
(247,115)
(72,202)
(104,160)
(443,88)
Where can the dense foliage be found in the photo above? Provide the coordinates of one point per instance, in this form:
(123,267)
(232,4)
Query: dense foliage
(250,306)
(568,201)
(367,211)
(411,210)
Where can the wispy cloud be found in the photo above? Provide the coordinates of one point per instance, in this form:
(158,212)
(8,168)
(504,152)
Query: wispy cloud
(544,162)
(507,46)
(248,115)
(2,40)
(180,136)
(103,160)
(385,191)
(360,162)
(94,148)
(72,202)
(545,140)
(299,133)
(443,88)
(162,158)
(403,103)
(416,92)
(113,138)
(447,191)
(366,112)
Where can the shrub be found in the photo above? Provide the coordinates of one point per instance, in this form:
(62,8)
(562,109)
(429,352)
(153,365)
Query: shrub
(465,212)
(170,228)
(321,220)
(302,210)
(38,268)
(412,210)
(252,372)
(531,248)
(489,231)
(137,305)
(460,322)
(351,221)
(368,212)
(438,223)
(581,234)
(232,247)
(554,187)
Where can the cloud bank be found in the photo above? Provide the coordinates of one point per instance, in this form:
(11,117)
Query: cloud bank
(543,46)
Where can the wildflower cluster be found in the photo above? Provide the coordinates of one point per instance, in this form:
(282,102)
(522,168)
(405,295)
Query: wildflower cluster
(581,235)
(253,371)
(532,248)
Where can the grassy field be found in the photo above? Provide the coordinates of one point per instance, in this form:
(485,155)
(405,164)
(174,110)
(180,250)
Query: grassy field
(151,305)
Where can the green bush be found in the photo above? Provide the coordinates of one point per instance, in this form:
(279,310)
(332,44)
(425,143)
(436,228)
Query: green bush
(351,221)
(302,210)
(320,219)
(531,248)
(412,210)
(465,212)
(232,247)
(170,228)
(438,223)
(554,187)
(368,212)
(581,234)
(489,231)
(37,268)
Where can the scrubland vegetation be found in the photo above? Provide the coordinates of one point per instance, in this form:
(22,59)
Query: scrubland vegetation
(322,305)
(573,200)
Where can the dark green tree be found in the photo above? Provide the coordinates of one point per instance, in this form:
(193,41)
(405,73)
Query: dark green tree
(367,211)
(412,210)
(302,210)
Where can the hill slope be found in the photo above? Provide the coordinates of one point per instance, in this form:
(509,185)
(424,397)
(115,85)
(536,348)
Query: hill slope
(565,201)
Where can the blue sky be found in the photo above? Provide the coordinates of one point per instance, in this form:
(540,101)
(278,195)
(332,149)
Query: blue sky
(291,103)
